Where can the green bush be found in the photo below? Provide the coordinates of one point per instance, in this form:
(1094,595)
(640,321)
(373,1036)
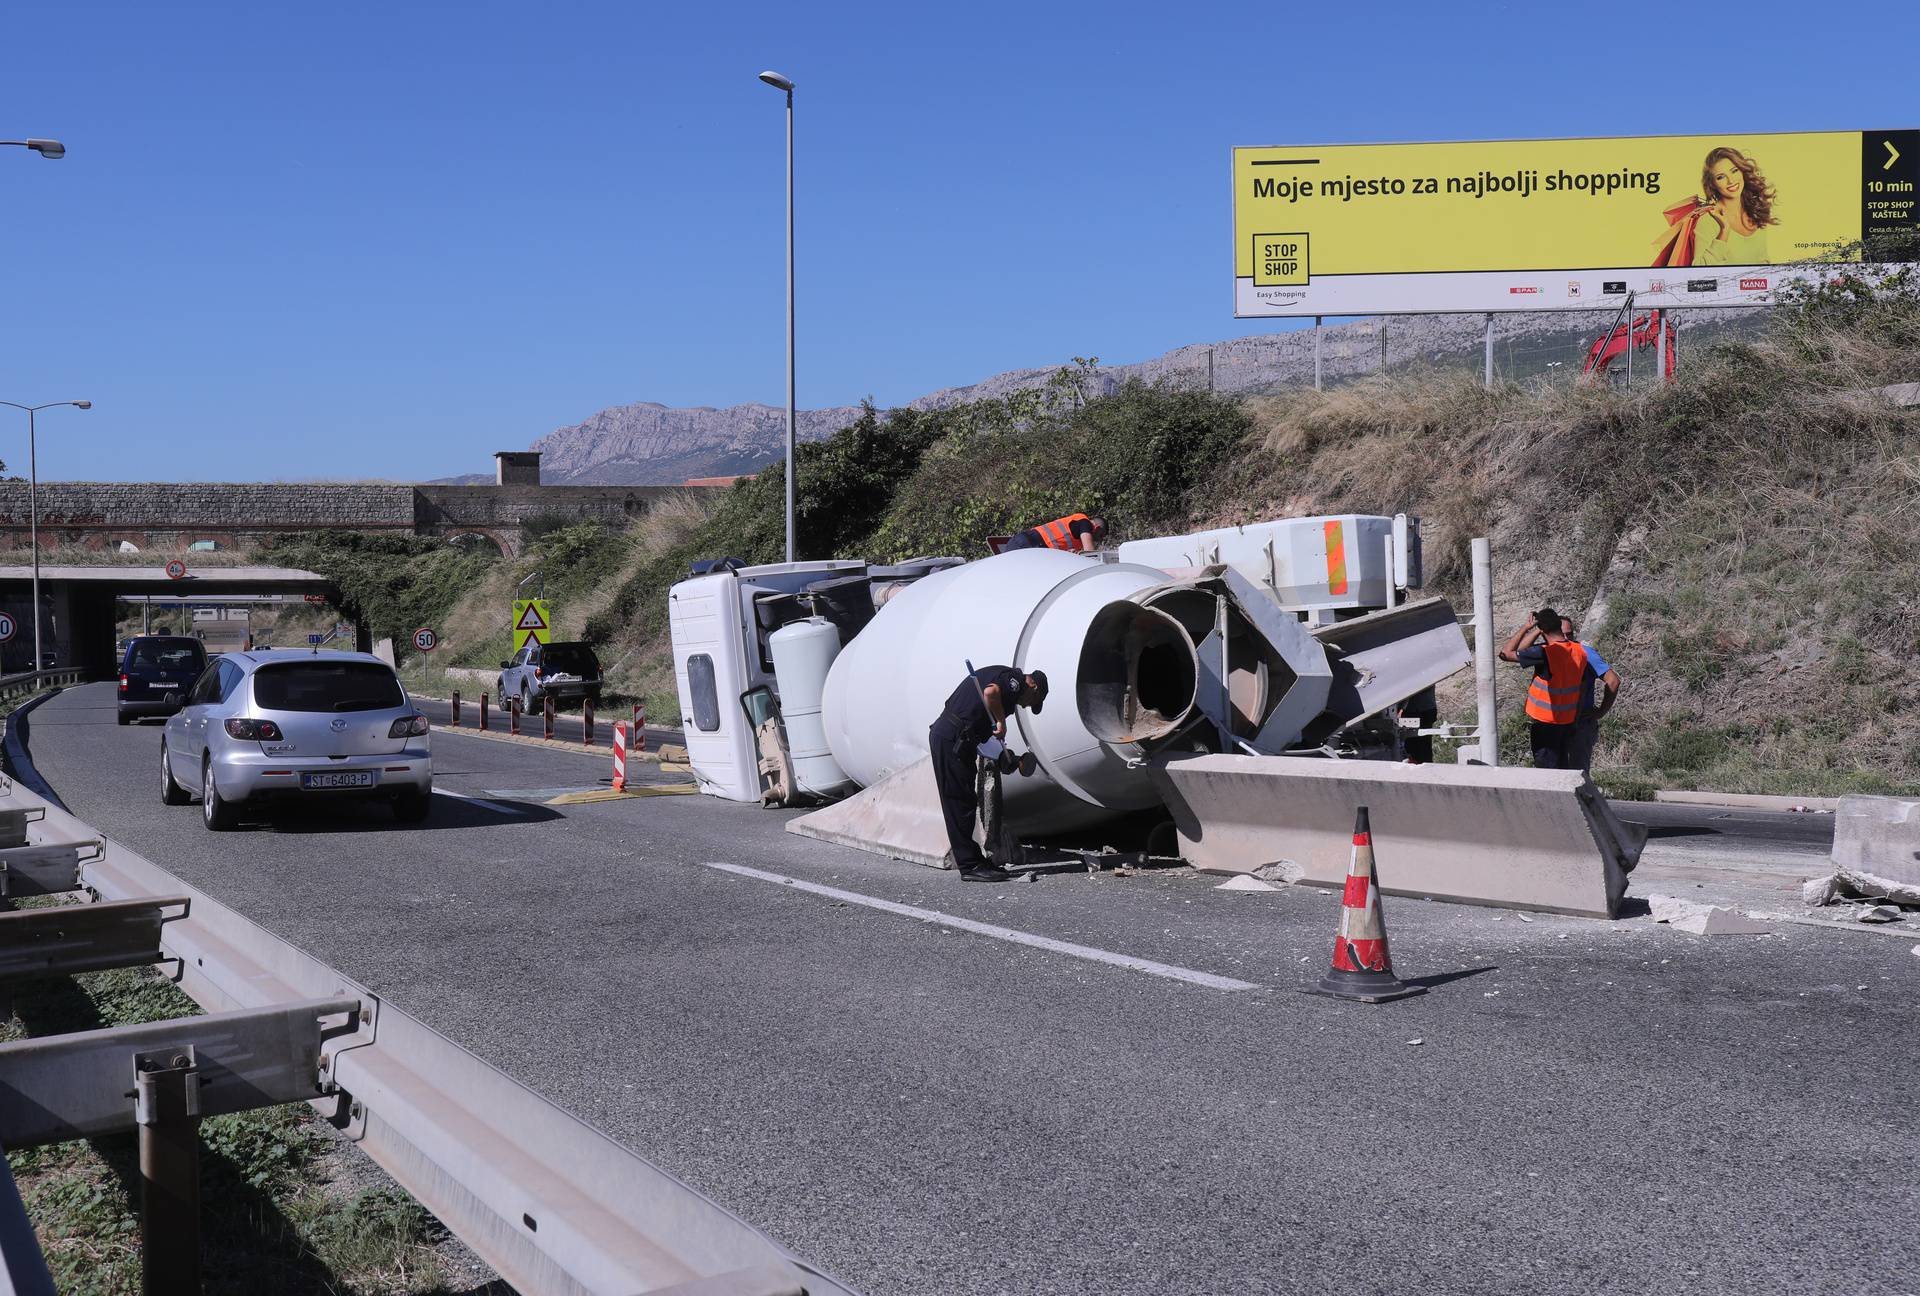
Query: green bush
(392,584)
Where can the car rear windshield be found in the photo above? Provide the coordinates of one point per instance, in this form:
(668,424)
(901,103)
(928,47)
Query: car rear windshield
(573,658)
(167,654)
(326,686)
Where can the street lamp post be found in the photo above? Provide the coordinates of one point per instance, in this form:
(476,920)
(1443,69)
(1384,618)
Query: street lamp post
(49,149)
(785,84)
(33,505)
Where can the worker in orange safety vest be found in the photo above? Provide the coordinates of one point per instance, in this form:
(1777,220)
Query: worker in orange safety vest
(1563,673)
(1076,533)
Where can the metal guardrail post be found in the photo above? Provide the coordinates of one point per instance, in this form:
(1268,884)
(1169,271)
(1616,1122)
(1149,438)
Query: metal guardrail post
(167,1110)
(1484,637)
(546,713)
(456,708)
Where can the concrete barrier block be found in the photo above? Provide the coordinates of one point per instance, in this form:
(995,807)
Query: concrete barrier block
(898,817)
(1878,835)
(1516,838)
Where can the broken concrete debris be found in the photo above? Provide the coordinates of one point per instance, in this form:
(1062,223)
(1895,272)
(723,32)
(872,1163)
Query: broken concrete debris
(1703,919)
(1852,884)
(1880,836)
(1245,883)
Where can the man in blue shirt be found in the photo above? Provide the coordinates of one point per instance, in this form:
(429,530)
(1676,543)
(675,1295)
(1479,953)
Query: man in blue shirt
(1564,719)
(1586,730)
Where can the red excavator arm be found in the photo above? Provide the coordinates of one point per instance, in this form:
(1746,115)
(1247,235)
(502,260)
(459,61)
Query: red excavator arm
(1645,333)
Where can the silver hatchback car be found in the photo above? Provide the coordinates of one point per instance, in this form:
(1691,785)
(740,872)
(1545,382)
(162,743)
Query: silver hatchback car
(270,726)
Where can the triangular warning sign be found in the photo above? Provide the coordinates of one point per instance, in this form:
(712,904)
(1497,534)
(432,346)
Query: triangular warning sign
(531,619)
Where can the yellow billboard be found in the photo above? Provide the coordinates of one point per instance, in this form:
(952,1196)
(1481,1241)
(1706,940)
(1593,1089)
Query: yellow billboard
(1699,220)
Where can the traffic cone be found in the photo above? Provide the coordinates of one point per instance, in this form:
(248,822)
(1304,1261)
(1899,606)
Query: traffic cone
(1362,966)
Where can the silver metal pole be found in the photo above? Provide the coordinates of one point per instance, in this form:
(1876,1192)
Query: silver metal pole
(1483,636)
(33,529)
(1488,380)
(1316,353)
(790,412)
(1660,350)
(1629,349)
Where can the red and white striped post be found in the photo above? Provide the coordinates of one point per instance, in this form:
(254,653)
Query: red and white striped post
(640,728)
(513,716)
(483,713)
(547,714)
(586,722)
(619,756)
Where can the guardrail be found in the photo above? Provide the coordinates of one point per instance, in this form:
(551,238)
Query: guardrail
(552,1204)
(26,683)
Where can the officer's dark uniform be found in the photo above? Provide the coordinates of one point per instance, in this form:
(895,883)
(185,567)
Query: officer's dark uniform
(954,740)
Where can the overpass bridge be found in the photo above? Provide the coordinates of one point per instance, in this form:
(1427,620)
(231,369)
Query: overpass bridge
(79,605)
(172,516)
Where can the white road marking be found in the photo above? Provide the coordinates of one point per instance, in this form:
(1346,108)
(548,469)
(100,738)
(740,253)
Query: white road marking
(482,802)
(1068,948)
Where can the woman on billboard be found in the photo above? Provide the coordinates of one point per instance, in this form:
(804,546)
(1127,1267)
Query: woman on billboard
(1728,224)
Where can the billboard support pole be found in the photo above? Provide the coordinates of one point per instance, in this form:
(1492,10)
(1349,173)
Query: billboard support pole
(1316,353)
(1629,343)
(1660,349)
(1488,381)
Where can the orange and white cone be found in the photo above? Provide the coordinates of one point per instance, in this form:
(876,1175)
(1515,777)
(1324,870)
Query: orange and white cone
(1362,965)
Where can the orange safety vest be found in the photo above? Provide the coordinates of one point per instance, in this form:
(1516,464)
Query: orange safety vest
(1058,534)
(1554,697)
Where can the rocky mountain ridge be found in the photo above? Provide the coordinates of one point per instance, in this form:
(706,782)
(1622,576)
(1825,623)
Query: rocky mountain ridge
(651,444)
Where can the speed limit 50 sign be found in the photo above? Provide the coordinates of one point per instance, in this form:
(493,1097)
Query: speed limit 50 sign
(425,640)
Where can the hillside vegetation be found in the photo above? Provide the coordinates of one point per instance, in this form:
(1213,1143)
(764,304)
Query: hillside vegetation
(1739,544)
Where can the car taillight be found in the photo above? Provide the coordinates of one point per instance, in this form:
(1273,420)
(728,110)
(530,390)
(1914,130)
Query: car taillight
(123,683)
(253,730)
(408,727)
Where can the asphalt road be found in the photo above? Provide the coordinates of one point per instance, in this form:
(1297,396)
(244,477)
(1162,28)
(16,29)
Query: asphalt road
(1574,1106)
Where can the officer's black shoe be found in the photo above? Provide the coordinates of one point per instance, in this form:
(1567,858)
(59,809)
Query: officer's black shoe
(985,873)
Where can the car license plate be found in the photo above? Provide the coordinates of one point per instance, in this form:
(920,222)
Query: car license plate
(344,779)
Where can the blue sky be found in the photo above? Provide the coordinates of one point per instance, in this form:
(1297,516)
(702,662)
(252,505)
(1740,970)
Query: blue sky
(383,240)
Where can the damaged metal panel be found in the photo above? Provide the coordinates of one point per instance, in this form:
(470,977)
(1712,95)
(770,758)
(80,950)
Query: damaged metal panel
(1385,657)
(1518,838)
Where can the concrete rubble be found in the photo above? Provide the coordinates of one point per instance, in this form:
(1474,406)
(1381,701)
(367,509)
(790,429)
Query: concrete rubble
(1704,919)
(1852,884)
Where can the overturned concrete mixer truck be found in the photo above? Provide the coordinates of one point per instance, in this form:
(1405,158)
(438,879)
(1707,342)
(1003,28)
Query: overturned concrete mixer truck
(1297,641)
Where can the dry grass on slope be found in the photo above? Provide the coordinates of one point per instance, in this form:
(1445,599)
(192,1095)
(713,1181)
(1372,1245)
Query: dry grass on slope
(1750,527)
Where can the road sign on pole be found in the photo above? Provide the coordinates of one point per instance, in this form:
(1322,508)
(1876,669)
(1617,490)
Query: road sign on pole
(176,570)
(7,627)
(425,640)
(530,621)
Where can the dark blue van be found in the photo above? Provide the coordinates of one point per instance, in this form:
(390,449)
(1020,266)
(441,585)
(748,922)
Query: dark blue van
(154,666)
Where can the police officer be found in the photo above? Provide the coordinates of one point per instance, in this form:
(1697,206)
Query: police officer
(978,708)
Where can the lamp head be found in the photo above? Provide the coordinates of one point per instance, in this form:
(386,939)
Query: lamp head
(48,148)
(777,81)
(83,404)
